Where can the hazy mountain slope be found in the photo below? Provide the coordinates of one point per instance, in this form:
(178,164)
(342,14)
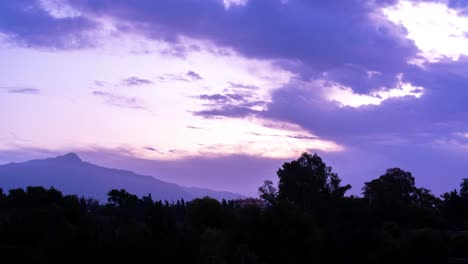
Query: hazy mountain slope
(71,175)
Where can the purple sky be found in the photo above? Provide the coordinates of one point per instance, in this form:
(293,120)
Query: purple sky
(218,94)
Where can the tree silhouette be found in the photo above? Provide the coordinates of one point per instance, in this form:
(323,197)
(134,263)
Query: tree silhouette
(307,220)
(394,196)
(122,198)
(394,189)
(268,192)
(308,180)
(464,189)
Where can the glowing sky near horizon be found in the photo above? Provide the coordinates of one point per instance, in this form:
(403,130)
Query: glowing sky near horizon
(227,84)
(85,102)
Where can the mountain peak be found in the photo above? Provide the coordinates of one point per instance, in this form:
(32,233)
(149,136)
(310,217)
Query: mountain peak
(70,157)
(72,176)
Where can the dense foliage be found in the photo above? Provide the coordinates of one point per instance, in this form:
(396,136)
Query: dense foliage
(305,219)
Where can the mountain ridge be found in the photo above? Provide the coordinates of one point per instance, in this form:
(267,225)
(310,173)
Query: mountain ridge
(72,175)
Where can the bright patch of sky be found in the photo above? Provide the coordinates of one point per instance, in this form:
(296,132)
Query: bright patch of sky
(58,9)
(437,30)
(345,96)
(229,3)
(134,93)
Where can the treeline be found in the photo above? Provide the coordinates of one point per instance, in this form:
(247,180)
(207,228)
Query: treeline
(306,218)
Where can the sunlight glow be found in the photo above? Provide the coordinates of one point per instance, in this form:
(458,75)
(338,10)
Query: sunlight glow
(154,120)
(345,96)
(239,136)
(437,30)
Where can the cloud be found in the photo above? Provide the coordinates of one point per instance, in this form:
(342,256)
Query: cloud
(151,149)
(302,36)
(99,83)
(33,91)
(406,131)
(447,28)
(242,86)
(226,111)
(298,136)
(220,98)
(187,77)
(460,5)
(155,150)
(230,105)
(28,23)
(193,127)
(306,35)
(135,81)
(120,101)
(194,76)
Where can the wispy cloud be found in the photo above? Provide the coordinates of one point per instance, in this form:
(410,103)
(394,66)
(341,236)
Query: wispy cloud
(135,81)
(153,150)
(193,127)
(120,101)
(242,86)
(297,136)
(186,77)
(99,83)
(228,97)
(230,104)
(32,91)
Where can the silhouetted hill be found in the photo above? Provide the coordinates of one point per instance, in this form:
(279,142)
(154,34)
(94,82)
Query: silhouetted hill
(71,175)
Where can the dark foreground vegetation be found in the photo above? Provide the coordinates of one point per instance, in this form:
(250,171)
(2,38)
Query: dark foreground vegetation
(305,219)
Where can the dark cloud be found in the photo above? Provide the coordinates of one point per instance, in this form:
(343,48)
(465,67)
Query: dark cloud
(154,150)
(151,149)
(229,104)
(120,101)
(27,23)
(322,36)
(194,76)
(226,111)
(33,91)
(223,98)
(135,81)
(461,5)
(345,40)
(408,132)
(440,112)
(425,135)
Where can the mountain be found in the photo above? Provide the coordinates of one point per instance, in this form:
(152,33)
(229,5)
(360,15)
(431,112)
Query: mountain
(71,175)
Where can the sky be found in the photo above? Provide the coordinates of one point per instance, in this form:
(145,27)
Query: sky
(220,93)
